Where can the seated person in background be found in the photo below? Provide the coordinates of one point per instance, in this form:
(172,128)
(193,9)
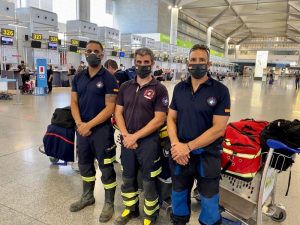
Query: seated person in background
(112,67)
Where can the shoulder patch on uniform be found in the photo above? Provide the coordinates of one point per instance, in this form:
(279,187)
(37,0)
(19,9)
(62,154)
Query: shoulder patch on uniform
(116,90)
(227,110)
(211,101)
(165,101)
(149,94)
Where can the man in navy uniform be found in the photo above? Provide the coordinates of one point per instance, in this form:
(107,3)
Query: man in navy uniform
(197,119)
(93,99)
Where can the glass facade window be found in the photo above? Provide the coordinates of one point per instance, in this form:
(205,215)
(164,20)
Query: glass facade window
(99,15)
(65,10)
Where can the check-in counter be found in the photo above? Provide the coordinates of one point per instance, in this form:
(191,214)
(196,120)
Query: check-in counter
(59,77)
(11,74)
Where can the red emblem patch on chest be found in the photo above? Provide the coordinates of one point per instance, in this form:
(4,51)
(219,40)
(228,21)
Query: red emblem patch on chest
(149,94)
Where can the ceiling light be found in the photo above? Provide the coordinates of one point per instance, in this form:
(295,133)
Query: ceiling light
(170,7)
(180,7)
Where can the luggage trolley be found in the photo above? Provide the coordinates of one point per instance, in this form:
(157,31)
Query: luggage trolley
(249,200)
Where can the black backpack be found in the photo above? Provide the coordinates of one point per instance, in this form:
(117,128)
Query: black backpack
(287,132)
(62,117)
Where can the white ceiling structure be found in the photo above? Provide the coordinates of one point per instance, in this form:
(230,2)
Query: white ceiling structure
(246,20)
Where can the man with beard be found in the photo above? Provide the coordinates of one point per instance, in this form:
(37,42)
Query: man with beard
(94,94)
(197,119)
(140,112)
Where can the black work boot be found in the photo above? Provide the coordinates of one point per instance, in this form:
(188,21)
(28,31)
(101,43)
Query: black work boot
(126,216)
(86,199)
(108,208)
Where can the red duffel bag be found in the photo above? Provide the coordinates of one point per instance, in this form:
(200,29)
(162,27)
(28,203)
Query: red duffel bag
(241,155)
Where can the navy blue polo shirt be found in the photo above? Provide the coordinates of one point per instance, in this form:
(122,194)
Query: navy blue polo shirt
(91,92)
(195,111)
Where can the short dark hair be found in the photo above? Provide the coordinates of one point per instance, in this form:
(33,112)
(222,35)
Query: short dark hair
(95,42)
(22,61)
(143,52)
(111,63)
(200,47)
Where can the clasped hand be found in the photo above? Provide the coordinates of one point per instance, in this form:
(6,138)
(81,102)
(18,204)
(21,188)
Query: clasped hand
(129,141)
(180,153)
(84,129)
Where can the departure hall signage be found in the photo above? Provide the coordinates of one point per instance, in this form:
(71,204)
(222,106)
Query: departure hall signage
(7,32)
(74,42)
(53,39)
(37,37)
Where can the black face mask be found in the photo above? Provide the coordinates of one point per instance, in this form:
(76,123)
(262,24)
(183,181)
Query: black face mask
(198,70)
(143,71)
(93,60)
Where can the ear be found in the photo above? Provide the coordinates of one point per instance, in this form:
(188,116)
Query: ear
(209,64)
(152,64)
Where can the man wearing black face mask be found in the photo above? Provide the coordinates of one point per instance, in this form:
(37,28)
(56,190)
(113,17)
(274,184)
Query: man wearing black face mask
(93,99)
(141,110)
(197,119)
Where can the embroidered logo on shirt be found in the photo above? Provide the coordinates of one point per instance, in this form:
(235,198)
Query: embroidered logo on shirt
(211,101)
(99,84)
(165,101)
(149,94)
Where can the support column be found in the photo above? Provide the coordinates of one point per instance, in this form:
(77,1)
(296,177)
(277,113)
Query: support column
(226,48)
(208,36)
(83,10)
(174,25)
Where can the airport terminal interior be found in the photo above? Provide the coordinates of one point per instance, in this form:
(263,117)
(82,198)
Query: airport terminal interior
(254,51)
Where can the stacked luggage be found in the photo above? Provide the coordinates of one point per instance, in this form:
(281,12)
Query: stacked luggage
(60,135)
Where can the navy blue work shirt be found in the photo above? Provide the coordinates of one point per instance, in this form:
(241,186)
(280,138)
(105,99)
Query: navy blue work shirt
(195,111)
(91,92)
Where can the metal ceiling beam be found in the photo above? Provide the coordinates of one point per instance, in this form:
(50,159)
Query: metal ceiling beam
(185,2)
(295,31)
(214,20)
(298,10)
(294,15)
(293,39)
(232,4)
(244,39)
(229,4)
(235,30)
(294,28)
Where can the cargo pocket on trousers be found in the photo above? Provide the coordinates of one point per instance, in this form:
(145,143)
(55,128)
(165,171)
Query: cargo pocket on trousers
(110,155)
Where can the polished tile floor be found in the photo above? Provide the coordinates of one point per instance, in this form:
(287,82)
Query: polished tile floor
(34,192)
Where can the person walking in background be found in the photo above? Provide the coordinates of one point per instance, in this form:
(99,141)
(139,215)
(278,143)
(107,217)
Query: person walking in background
(297,81)
(49,78)
(112,67)
(71,74)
